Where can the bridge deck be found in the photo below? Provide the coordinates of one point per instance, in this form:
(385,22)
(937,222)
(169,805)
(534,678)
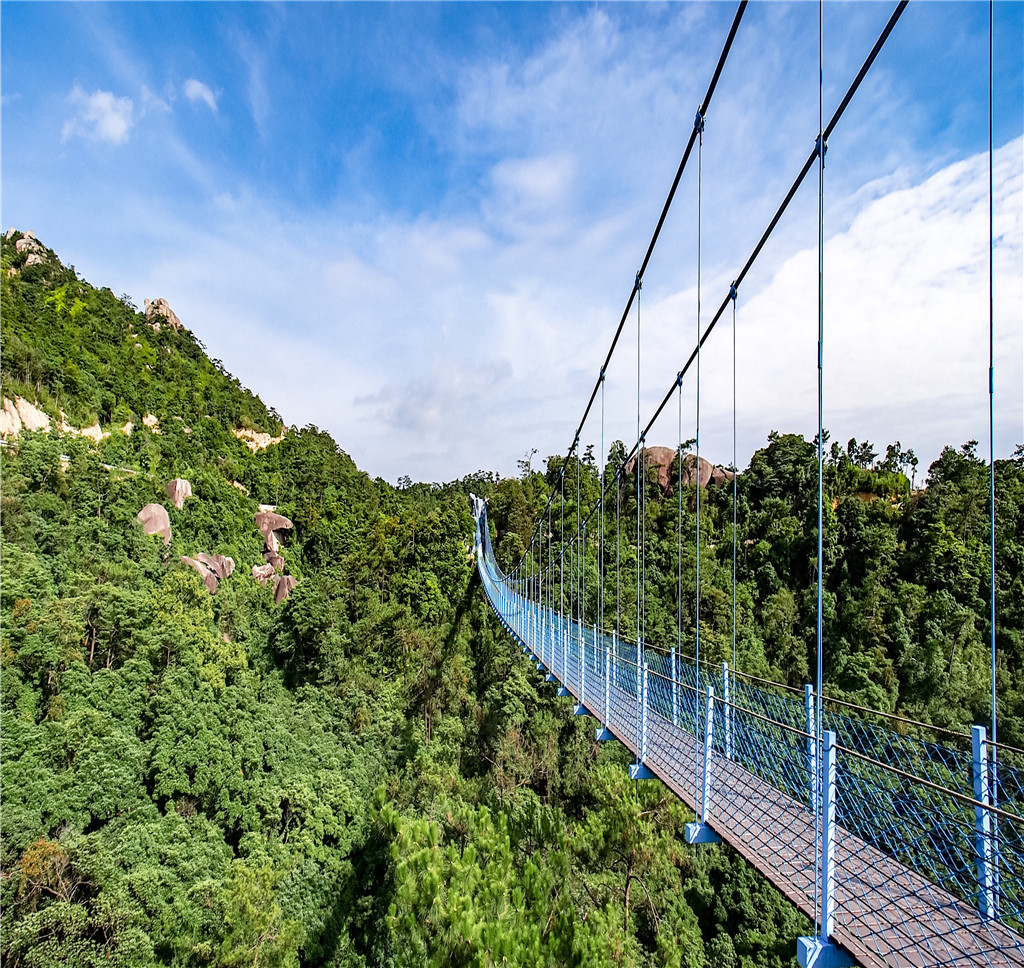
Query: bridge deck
(886,914)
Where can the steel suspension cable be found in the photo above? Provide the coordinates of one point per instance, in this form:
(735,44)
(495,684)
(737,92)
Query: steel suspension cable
(994,795)
(776,218)
(581,549)
(837,115)
(735,484)
(618,552)
(699,124)
(604,470)
(679,533)
(821,339)
(634,293)
(640,476)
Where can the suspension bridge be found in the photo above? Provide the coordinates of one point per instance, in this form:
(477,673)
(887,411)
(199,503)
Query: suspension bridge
(902,842)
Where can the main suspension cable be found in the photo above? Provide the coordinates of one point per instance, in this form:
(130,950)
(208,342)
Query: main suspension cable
(661,221)
(886,31)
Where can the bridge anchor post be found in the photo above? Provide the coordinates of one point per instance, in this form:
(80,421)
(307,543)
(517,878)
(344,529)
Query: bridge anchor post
(820,952)
(700,832)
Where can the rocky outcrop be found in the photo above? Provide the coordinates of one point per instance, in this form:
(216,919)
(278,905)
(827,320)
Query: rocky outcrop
(285,584)
(177,491)
(10,421)
(210,580)
(20,413)
(263,573)
(151,421)
(222,566)
(158,310)
(272,527)
(256,441)
(93,433)
(213,569)
(32,248)
(663,458)
(155,520)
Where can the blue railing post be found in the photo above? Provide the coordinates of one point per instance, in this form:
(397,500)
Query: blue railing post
(700,832)
(983,852)
(820,952)
(675,688)
(562,689)
(727,710)
(580,709)
(812,746)
(615,659)
(639,770)
(604,733)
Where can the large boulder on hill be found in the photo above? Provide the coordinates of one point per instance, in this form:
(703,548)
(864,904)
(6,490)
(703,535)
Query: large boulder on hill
(155,520)
(178,490)
(284,586)
(210,580)
(221,565)
(273,559)
(212,568)
(29,243)
(272,527)
(158,310)
(663,458)
(263,573)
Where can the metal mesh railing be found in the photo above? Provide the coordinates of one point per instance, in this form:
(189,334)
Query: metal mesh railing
(928,865)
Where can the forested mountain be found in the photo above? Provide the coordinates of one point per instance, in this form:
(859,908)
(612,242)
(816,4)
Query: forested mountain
(369,773)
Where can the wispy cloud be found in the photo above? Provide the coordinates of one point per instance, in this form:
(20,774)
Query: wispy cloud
(438,334)
(198,91)
(257,93)
(100,116)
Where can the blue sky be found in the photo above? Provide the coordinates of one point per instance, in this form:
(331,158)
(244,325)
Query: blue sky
(416,225)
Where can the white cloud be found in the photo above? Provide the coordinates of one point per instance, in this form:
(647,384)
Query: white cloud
(460,337)
(198,91)
(100,116)
(152,102)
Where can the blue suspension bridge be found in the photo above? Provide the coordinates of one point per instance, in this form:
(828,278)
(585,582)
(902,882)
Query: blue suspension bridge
(903,843)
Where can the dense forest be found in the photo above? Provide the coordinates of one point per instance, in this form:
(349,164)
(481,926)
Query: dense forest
(369,773)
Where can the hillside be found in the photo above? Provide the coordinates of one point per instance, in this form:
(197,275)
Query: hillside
(368,773)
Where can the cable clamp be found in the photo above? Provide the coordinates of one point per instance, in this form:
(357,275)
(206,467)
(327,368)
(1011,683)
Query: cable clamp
(679,378)
(639,282)
(820,147)
(698,122)
(643,437)
(601,377)
(732,291)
